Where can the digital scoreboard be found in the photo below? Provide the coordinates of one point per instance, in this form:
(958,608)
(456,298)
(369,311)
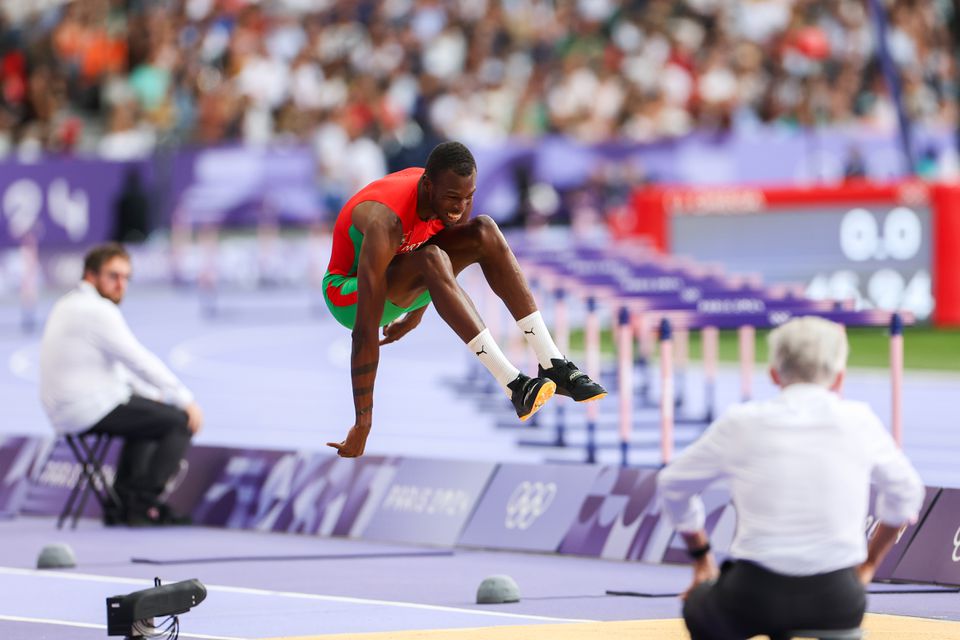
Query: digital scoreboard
(884,246)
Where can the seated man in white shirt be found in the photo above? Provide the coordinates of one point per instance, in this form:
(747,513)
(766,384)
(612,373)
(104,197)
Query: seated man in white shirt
(88,360)
(799,468)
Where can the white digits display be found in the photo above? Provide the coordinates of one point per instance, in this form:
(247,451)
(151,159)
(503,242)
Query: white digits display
(69,210)
(902,233)
(918,296)
(864,236)
(956,546)
(860,237)
(840,285)
(22,202)
(885,289)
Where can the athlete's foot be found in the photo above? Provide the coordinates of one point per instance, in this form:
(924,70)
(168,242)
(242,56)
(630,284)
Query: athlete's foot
(571,382)
(529,394)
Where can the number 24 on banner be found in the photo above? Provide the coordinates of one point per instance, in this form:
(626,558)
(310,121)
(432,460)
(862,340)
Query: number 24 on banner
(23,200)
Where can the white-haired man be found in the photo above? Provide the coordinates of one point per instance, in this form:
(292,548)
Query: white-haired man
(799,468)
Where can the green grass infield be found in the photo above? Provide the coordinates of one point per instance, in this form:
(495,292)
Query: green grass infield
(925,347)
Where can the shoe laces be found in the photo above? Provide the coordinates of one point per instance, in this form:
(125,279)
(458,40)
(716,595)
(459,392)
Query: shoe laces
(574,375)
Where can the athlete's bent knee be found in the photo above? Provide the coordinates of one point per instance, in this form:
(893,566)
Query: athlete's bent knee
(435,262)
(486,224)
(488,232)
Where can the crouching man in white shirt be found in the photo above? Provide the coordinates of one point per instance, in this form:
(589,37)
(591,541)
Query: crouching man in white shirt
(799,467)
(88,360)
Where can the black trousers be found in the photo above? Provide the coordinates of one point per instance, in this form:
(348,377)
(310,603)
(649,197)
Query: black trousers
(155,439)
(748,600)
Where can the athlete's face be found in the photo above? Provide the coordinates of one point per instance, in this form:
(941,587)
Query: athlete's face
(451,196)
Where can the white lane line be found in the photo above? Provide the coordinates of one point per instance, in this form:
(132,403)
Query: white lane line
(87,625)
(395,603)
(87,577)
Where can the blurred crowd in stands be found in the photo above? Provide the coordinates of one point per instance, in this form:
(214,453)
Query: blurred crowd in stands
(364,80)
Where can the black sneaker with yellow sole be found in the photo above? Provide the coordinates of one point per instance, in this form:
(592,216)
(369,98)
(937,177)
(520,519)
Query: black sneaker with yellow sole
(571,382)
(529,394)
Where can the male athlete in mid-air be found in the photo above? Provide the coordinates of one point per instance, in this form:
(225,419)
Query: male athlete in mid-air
(400,243)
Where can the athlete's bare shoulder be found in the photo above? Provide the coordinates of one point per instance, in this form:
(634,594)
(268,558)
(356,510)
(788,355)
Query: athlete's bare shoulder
(372,218)
(372,212)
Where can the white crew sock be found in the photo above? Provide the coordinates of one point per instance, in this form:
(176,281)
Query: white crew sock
(490,355)
(539,339)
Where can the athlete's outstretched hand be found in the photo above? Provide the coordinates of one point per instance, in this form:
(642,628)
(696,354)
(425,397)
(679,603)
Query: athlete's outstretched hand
(354,444)
(399,328)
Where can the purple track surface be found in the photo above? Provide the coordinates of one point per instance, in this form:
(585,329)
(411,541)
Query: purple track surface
(259,599)
(272,374)
(272,370)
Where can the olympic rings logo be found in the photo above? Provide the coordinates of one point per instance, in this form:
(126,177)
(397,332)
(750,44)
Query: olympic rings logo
(529,501)
(956,546)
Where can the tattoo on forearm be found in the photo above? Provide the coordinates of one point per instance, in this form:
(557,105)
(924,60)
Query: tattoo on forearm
(364,369)
(362,391)
(363,410)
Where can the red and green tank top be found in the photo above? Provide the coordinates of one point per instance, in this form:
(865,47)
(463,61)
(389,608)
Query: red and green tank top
(398,191)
